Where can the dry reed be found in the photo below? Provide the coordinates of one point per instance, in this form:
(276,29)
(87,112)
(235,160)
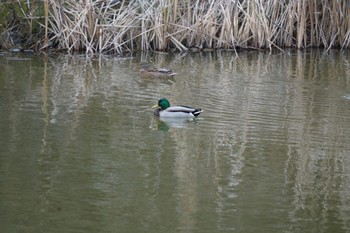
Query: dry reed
(124,25)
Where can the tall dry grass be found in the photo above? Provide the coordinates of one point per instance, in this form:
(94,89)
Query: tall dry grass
(126,25)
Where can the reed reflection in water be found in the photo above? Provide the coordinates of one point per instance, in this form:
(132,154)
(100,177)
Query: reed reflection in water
(81,150)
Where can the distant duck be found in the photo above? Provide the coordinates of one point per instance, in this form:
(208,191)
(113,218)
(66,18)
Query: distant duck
(147,71)
(163,109)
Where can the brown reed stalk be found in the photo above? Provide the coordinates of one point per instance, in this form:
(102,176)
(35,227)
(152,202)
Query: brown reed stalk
(46,9)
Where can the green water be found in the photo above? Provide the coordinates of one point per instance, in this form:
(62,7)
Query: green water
(80,149)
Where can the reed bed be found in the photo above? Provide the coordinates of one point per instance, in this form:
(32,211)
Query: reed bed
(125,25)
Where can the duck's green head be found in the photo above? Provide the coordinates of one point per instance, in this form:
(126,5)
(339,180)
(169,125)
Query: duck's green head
(163,104)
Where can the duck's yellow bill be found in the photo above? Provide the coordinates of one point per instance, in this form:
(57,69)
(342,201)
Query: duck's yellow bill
(155,106)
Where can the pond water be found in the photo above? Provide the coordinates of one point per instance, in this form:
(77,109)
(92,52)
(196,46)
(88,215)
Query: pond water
(80,149)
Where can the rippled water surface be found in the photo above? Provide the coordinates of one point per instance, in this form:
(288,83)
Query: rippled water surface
(80,149)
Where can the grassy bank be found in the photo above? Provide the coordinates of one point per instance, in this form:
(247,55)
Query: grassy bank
(125,25)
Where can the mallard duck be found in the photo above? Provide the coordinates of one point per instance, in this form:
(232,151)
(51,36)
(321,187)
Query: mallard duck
(163,109)
(147,71)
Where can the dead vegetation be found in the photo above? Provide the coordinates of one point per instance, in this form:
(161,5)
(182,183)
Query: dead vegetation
(123,25)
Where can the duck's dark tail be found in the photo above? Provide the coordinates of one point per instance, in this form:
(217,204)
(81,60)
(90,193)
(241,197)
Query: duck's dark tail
(197,112)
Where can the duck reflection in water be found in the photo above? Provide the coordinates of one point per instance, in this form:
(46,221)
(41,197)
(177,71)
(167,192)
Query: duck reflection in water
(165,124)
